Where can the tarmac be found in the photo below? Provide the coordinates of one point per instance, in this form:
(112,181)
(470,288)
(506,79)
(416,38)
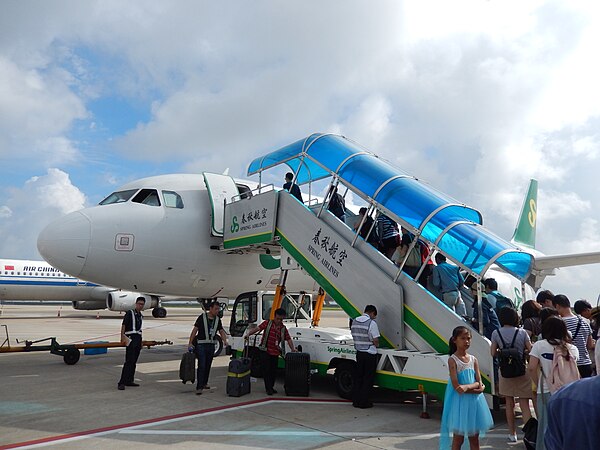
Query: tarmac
(44,402)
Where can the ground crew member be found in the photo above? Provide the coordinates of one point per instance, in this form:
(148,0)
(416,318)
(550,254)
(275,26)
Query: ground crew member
(202,340)
(365,333)
(270,346)
(131,335)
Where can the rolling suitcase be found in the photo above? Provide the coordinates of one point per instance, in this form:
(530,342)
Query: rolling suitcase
(238,377)
(187,368)
(297,374)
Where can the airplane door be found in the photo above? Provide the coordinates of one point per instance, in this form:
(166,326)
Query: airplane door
(221,188)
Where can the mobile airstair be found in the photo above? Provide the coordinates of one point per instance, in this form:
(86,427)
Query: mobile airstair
(414,324)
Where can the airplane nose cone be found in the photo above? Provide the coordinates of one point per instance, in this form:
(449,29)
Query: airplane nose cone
(65,242)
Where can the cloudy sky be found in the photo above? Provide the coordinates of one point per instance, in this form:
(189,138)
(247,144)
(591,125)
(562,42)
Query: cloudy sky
(474,97)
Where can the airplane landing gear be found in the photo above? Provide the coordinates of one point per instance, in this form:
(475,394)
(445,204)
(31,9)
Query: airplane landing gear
(159,313)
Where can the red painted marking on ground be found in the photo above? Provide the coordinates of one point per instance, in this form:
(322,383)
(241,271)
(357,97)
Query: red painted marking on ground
(159,419)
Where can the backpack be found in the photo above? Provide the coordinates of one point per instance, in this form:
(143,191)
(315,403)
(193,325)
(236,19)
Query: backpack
(512,363)
(564,370)
(424,249)
(337,205)
(502,301)
(530,433)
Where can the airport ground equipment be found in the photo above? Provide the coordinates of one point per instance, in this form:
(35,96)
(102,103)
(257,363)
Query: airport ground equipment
(414,324)
(332,349)
(69,352)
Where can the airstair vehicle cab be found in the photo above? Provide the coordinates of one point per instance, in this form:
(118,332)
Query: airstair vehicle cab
(414,324)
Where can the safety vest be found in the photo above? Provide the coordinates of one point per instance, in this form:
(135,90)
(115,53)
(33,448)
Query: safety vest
(360,335)
(265,337)
(209,335)
(134,328)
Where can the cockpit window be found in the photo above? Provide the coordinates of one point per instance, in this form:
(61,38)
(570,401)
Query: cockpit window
(147,197)
(118,197)
(172,199)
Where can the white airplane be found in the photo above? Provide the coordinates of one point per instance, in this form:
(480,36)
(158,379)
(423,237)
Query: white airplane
(37,280)
(163,235)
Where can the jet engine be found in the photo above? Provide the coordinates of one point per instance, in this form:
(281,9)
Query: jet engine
(124,300)
(88,305)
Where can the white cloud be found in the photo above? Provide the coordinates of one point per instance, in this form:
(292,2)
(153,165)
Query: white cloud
(31,207)
(36,109)
(5,211)
(474,99)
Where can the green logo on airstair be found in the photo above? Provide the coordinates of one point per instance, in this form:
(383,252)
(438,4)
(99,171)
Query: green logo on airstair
(235,227)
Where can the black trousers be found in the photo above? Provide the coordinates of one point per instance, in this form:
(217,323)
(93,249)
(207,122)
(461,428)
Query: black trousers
(585,371)
(205,354)
(362,381)
(269,370)
(132,352)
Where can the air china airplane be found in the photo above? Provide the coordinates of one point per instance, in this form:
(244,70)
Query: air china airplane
(162,234)
(38,280)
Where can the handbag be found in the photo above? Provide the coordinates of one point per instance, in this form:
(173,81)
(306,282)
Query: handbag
(530,433)
(414,257)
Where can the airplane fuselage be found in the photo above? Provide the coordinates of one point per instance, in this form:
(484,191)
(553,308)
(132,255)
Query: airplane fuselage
(38,280)
(155,248)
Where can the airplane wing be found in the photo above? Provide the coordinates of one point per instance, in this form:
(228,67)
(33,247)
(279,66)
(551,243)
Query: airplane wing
(546,265)
(557,261)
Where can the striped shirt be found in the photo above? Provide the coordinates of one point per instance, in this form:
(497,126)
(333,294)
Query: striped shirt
(274,337)
(388,227)
(580,339)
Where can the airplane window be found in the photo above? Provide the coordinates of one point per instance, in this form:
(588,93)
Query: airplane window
(12,273)
(147,197)
(118,197)
(244,191)
(172,199)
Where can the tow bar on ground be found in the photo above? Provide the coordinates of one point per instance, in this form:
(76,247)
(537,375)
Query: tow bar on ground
(69,352)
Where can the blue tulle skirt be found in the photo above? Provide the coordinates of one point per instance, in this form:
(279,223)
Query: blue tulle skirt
(464,414)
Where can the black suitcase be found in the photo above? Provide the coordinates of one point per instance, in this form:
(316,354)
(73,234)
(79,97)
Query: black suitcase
(238,377)
(187,368)
(297,374)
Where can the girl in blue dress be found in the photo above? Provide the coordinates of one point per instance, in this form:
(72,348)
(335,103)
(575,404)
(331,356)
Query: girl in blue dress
(466,412)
